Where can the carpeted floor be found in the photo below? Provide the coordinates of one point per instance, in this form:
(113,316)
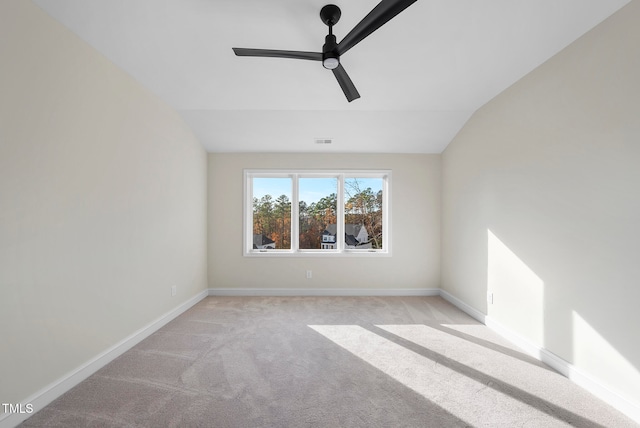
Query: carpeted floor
(326,362)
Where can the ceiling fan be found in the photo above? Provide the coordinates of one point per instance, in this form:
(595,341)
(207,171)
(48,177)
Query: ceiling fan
(332,51)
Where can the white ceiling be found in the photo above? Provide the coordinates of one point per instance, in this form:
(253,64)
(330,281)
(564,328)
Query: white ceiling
(421,76)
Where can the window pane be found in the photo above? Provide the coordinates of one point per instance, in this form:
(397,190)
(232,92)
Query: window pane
(272,213)
(318,210)
(363,212)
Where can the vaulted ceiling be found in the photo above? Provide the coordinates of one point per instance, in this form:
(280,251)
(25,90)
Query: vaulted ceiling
(420,76)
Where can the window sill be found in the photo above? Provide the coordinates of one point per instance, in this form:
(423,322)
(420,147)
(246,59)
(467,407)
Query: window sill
(318,253)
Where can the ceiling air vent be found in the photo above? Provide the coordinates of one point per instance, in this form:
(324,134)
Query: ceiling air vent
(324,141)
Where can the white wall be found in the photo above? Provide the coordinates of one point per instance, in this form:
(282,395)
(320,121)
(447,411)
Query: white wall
(541,206)
(415,260)
(102,203)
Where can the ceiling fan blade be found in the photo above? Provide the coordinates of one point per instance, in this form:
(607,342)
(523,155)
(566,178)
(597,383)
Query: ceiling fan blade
(314,56)
(346,84)
(380,15)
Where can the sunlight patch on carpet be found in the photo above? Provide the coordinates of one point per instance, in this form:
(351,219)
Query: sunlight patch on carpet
(458,394)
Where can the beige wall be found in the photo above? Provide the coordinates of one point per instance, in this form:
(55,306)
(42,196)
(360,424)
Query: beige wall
(541,206)
(102,203)
(415,260)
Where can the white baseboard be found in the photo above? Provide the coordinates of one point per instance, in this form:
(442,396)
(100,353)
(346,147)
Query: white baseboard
(568,370)
(49,393)
(323,292)
(472,312)
(520,341)
(560,365)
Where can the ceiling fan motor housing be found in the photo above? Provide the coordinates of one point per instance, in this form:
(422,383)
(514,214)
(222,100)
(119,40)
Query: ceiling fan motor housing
(330,57)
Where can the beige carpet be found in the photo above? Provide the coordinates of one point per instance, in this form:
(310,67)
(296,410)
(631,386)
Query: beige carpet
(326,362)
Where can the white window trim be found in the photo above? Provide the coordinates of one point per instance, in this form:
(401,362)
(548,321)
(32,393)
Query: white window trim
(340,251)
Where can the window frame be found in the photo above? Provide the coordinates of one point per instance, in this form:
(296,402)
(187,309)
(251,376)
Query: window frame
(294,175)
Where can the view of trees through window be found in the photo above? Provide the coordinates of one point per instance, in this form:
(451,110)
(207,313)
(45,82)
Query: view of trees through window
(272,215)
(318,210)
(317,213)
(363,210)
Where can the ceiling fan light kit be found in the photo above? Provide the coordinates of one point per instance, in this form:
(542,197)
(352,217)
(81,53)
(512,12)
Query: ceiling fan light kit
(330,58)
(331,50)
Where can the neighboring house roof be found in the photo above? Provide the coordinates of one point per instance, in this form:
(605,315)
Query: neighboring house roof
(350,240)
(331,229)
(349,229)
(350,235)
(261,241)
(353,229)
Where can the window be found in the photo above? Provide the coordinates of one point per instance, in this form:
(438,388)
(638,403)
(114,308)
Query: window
(317,213)
(271,213)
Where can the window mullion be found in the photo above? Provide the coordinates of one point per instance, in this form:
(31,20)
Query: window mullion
(248,200)
(340,214)
(295,208)
(386,212)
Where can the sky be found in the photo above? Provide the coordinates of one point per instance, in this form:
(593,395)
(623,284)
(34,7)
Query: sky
(311,189)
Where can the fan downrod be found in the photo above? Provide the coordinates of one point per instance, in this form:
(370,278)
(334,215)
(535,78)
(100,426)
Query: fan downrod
(330,14)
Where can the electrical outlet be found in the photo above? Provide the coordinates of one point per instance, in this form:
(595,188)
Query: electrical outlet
(490,297)
(309,274)
(174,290)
